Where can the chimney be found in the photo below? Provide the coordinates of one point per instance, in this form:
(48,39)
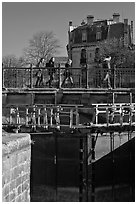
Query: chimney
(70,26)
(125,25)
(83,22)
(90,19)
(116,17)
(70,23)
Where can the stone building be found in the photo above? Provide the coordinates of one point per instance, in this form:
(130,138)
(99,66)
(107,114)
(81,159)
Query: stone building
(83,40)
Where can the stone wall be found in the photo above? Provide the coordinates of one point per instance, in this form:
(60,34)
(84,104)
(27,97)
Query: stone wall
(16,156)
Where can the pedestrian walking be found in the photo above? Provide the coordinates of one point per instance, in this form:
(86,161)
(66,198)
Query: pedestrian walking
(108,74)
(39,74)
(39,81)
(67,73)
(51,70)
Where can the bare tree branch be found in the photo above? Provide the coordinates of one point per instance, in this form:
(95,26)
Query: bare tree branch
(42,45)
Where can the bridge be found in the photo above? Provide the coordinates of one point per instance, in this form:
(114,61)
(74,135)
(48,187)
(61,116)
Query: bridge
(83,113)
(19,86)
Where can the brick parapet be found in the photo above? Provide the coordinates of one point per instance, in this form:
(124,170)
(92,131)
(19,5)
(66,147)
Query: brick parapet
(16,157)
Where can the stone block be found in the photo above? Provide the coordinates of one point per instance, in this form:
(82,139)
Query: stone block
(19,189)
(14,160)
(12,185)
(18,181)
(12,195)
(16,149)
(6,190)
(6,177)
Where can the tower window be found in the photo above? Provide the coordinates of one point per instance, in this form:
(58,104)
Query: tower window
(98,35)
(84,36)
(83,59)
(97,55)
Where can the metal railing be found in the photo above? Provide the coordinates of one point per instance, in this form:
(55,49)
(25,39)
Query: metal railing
(45,116)
(81,78)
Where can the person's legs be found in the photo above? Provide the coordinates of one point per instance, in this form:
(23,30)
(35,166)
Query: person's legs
(109,83)
(71,80)
(37,82)
(64,81)
(50,80)
(41,81)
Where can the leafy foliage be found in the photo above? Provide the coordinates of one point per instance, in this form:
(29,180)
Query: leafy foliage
(121,56)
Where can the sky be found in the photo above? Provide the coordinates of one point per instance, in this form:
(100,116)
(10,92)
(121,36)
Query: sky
(21,20)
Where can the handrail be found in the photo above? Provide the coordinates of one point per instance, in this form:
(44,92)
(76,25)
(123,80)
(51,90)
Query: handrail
(50,116)
(22,77)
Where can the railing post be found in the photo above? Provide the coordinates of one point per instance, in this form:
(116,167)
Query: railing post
(107,116)
(51,117)
(10,117)
(121,115)
(39,114)
(34,118)
(114,77)
(3,76)
(96,113)
(59,77)
(17,115)
(77,117)
(93,168)
(71,118)
(87,77)
(31,76)
(27,116)
(45,118)
(58,118)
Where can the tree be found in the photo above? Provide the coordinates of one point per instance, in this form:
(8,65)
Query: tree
(121,56)
(13,61)
(42,45)
(9,61)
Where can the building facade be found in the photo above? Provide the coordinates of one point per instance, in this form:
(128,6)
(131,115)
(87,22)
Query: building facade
(83,40)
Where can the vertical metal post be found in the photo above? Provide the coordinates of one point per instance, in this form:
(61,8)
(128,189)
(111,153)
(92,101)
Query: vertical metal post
(71,117)
(107,116)
(112,158)
(113,95)
(10,119)
(51,117)
(39,117)
(27,116)
(87,85)
(31,77)
(56,165)
(34,119)
(77,117)
(58,118)
(59,77)
(3,76)
(45,118)
(96,113)
(86,165)
(81,170)
(18,117)
(130,97)
(93,168)
(121,115)
(114,77)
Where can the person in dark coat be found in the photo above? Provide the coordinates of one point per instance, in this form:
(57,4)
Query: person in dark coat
(51,70)
(39,74)
(67,73)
